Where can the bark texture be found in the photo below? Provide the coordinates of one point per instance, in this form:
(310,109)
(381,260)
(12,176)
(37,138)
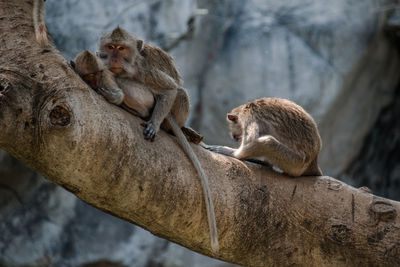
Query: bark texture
(51,121)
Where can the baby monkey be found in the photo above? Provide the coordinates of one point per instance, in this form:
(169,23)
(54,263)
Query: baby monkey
(135,99)
(277,130)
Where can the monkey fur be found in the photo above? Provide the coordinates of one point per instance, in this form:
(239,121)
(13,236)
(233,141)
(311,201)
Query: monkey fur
(131,59)
(98,77)
(277,130)
(132,96)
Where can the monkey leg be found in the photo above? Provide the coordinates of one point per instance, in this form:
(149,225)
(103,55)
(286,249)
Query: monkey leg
(275,153)
(180,111)
(163,106)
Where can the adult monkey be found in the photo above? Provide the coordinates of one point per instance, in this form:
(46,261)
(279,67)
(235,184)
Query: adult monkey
(277,130)
(132,60)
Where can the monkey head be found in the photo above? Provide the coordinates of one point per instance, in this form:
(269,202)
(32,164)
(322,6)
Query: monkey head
(90,68)
(119,50)
(235,125)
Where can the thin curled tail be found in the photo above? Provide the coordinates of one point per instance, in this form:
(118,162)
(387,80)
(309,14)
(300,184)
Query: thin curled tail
(204,182)
(38,23)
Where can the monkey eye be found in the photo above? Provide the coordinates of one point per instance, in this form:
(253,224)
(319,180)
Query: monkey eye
(120,48)
(111,47)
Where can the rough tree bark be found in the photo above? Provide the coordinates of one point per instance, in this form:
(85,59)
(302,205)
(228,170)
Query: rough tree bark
(51,121)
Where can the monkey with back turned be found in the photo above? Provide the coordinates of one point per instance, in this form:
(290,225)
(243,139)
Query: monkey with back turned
(277,130)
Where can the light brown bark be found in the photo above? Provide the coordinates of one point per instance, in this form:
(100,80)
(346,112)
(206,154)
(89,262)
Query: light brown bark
(51,121)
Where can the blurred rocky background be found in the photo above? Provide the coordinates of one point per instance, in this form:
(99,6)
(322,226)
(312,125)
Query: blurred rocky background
(338,59)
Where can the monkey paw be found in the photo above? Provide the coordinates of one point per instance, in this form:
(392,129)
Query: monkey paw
(220,150)
(149,131)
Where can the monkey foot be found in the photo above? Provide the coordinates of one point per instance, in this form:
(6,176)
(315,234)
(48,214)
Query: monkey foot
(191,135)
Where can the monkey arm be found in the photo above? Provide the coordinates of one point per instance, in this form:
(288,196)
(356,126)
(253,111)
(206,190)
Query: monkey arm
(162,107)
(109,88)
(275,153)
(113,95)
(267,147)
(250,135)
(224,150)
(228,151)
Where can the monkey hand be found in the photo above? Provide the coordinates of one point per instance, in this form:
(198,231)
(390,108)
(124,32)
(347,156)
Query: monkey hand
(111,95)
(149,131)
(224,150)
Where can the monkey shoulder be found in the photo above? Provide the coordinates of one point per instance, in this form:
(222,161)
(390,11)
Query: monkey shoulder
(155,57)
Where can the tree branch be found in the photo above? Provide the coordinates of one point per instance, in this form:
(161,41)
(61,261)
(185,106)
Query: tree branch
(51,121)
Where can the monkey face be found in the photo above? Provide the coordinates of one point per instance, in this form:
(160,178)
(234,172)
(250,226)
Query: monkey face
(116,54)
(93,79)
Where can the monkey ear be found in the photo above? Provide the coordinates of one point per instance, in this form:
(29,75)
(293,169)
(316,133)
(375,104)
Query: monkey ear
(232,117)
(140,45)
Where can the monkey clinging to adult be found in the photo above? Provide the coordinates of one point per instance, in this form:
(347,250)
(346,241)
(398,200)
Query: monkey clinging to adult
(38,22)
(134,61)
(277,130)
(135,99)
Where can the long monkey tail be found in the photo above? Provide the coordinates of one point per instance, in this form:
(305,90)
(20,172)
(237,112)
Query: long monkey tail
(38,22)
(204,181)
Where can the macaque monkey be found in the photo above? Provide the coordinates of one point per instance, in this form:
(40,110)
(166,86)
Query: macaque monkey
(130,60)
(39,24)
(277,130)
(136,97)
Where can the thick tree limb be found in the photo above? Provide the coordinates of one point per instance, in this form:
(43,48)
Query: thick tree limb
(50,120)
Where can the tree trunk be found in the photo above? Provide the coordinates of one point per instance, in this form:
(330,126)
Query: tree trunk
(54,123)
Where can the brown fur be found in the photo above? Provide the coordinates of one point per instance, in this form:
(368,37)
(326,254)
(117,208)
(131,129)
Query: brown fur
(154,57)
(278,130)
(140,62)
(139,100)
(151,65)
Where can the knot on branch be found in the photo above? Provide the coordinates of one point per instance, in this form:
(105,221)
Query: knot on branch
(334,185)
(5,85)
(341,233)
(60,116)
(365,189)
(383,210)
